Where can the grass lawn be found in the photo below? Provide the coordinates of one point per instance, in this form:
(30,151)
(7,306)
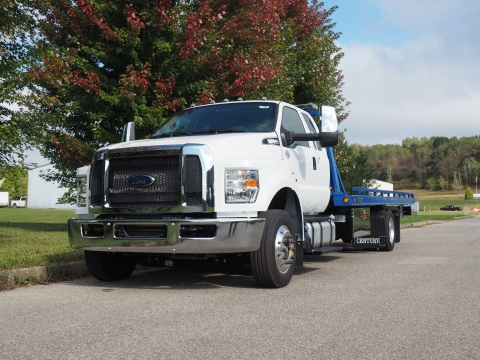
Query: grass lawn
(30,237)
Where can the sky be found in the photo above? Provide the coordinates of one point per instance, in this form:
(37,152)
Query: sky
(411,67)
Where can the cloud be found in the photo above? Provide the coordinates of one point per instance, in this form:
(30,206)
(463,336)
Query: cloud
(426,86)
(434,18)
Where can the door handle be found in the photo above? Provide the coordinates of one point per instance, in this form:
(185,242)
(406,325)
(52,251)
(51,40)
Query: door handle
(314,163)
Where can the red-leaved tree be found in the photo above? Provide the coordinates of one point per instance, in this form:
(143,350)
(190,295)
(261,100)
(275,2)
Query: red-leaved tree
(99,64)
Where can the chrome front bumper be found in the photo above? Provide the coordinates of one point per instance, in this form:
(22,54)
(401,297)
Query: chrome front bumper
(232,235)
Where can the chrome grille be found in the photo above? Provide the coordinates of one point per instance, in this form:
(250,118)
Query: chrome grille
(165,191)
(96,183)
(193,180)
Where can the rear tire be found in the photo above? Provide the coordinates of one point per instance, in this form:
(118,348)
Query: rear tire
(389,231)
(273,263)
(107,266)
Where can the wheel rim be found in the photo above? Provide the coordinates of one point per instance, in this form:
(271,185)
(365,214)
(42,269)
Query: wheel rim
(391,230)
(284,249)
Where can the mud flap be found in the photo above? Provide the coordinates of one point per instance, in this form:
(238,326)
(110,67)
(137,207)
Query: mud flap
(369,242)
(377,238)
(299,253)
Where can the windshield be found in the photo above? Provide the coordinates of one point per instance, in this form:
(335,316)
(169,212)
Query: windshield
(228,117)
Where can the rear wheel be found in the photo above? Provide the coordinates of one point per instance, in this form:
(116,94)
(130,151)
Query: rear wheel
(389,231)
(106,266)
(14,205)
(273,263)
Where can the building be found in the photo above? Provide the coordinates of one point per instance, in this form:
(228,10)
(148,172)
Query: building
(43,194)
(382,185)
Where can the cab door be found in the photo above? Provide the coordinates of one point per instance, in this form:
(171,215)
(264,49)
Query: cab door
(302,158)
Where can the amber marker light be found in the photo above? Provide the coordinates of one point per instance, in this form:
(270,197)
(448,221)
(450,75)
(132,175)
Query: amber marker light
(251,183)
(345,200)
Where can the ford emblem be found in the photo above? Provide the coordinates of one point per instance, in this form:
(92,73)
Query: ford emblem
(140,180)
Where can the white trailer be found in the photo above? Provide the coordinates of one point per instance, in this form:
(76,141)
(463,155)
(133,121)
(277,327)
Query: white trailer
(4,199)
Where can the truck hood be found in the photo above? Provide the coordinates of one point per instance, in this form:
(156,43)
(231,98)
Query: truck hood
(222,146)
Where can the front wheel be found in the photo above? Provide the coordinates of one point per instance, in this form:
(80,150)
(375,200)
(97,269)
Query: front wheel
(273,263)
(106,266)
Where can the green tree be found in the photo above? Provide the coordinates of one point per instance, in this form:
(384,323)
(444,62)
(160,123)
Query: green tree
(353,165)
(313,68)
(15,181)
(441,182)
(16,28)
(432,183)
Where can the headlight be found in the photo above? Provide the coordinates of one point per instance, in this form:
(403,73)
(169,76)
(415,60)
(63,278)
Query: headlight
(82,191)
(241,186)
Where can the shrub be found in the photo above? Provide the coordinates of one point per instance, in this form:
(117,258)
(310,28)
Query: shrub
(468,193)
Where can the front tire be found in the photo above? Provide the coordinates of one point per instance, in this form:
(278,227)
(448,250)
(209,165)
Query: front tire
(273,263)
(106,266)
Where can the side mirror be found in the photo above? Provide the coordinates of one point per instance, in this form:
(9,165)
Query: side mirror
(287,138)
(328,118)
(128,132)
(327,139)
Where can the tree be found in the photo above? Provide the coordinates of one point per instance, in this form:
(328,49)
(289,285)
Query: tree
(432,183)
(16,27)
(314,70)
(447,165)
(15,181)
(457,180)
(98,64)
(440,149)
(353,165)
(442,183)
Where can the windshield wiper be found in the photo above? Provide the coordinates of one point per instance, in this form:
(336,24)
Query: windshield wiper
(170,134)
(217,131)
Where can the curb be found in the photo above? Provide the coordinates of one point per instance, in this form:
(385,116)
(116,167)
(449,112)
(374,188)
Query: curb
(420,224)
(42,274)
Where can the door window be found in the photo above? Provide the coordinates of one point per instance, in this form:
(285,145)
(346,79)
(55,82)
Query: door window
(309,122)
(292,122)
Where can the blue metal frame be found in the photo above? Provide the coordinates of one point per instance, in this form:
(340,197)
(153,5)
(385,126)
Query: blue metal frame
(363,197)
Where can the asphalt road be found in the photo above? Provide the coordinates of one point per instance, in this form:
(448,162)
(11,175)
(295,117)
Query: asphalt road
(421,301)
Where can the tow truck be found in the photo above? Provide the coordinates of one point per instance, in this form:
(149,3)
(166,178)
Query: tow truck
(228,183)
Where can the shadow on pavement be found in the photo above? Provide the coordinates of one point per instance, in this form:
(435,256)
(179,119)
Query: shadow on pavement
(196,278)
